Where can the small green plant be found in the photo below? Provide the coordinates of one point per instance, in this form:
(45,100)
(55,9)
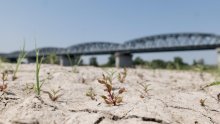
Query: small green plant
(91,93)
(144,89)
(38,85)
(53,94)
(213,84)
(111,98)
(4,86)
(21,56)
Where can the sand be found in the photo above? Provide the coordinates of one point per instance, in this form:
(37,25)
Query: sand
(174,97)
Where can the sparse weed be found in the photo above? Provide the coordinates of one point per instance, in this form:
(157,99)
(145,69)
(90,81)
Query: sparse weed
(53,94)
(74,64)
(21,56)
(28,88)
(49,76)
(112,98)
(122,76)
(38,86)
(4,85)
(214,84)
(202,102)
(91,93)
(200,69)
(144,92)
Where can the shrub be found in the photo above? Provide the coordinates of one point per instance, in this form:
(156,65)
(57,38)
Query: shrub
(170,65)
(111,61)
(158,64)
(51,59)
(138,61)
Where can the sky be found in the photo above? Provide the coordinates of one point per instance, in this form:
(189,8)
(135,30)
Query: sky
(62,23)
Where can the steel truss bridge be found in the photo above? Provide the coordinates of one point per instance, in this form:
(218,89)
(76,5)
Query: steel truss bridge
(155,43)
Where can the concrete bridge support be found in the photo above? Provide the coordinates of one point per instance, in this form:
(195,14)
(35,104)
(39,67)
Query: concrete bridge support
(64,61)
(218,57)
(31,60)
(123,60)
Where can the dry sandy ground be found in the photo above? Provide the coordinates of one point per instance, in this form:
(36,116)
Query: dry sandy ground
(174,98)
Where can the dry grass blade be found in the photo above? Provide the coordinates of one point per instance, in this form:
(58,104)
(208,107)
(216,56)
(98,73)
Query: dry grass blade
(53,95)
(213,84)
(21,56)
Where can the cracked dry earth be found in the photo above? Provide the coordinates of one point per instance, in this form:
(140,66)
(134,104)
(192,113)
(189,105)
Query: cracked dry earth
(174,98)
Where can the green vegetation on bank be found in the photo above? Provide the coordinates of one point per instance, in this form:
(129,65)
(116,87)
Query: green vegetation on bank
(176,64)
(51,59)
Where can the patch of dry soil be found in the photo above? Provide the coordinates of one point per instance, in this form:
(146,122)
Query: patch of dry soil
(174,98)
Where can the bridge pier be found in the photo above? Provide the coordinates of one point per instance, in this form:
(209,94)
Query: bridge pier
(123,60)
(64,61)
(218,57)
(31,60)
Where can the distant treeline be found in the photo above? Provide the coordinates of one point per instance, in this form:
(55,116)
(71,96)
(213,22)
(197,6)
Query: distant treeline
(177,62)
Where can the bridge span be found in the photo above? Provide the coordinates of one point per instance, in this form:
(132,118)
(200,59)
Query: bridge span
(123,52)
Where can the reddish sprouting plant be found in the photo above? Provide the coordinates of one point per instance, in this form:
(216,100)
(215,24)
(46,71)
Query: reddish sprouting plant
(3,87)
(112,97)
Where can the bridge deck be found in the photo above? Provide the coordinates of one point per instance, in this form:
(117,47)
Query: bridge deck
(156,43)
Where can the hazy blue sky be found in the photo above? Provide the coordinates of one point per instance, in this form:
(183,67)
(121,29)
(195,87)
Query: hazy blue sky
(62,23)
